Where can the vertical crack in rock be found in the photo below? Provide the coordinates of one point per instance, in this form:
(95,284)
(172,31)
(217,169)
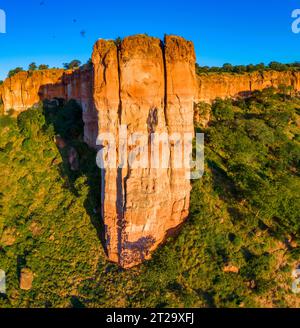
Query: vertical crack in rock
(142,95)
(106,102)
(181,90)
(121,188)
(165,81)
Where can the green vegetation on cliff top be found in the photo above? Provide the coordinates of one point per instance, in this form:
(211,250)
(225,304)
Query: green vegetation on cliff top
(242,69)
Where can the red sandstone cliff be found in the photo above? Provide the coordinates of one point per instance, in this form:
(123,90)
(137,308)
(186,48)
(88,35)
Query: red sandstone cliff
(23,90)
(148,86)
(139,205)
(27,89)
(223,85)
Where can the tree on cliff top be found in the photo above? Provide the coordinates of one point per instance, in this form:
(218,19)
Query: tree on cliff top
(278,66)
(43,66)
(15,71)
(73,64)
(32,67)
(118,41)
(239,69)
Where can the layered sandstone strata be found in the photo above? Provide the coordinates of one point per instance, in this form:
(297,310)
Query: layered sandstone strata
(140,205)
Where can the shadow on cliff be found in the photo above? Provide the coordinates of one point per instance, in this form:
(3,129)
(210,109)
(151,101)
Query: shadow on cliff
(79,169)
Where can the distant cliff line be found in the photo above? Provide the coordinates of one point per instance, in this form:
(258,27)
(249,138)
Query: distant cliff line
(25,89)
(229,85)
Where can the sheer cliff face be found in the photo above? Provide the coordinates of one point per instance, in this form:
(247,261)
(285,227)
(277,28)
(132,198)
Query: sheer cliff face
(181,88)
(26,89)
(140,206)
(107,101)
(212,86)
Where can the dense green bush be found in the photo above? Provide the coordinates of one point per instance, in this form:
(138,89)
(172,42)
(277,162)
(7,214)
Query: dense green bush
(13,72)
(222,110)
(237,248)
(43,67)
(32,67)
(73,64)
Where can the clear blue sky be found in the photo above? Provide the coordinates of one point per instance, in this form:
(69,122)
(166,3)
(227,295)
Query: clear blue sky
(235,31)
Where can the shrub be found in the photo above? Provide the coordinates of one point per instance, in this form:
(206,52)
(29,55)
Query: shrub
(73,64)
(15,71)
(222,110)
